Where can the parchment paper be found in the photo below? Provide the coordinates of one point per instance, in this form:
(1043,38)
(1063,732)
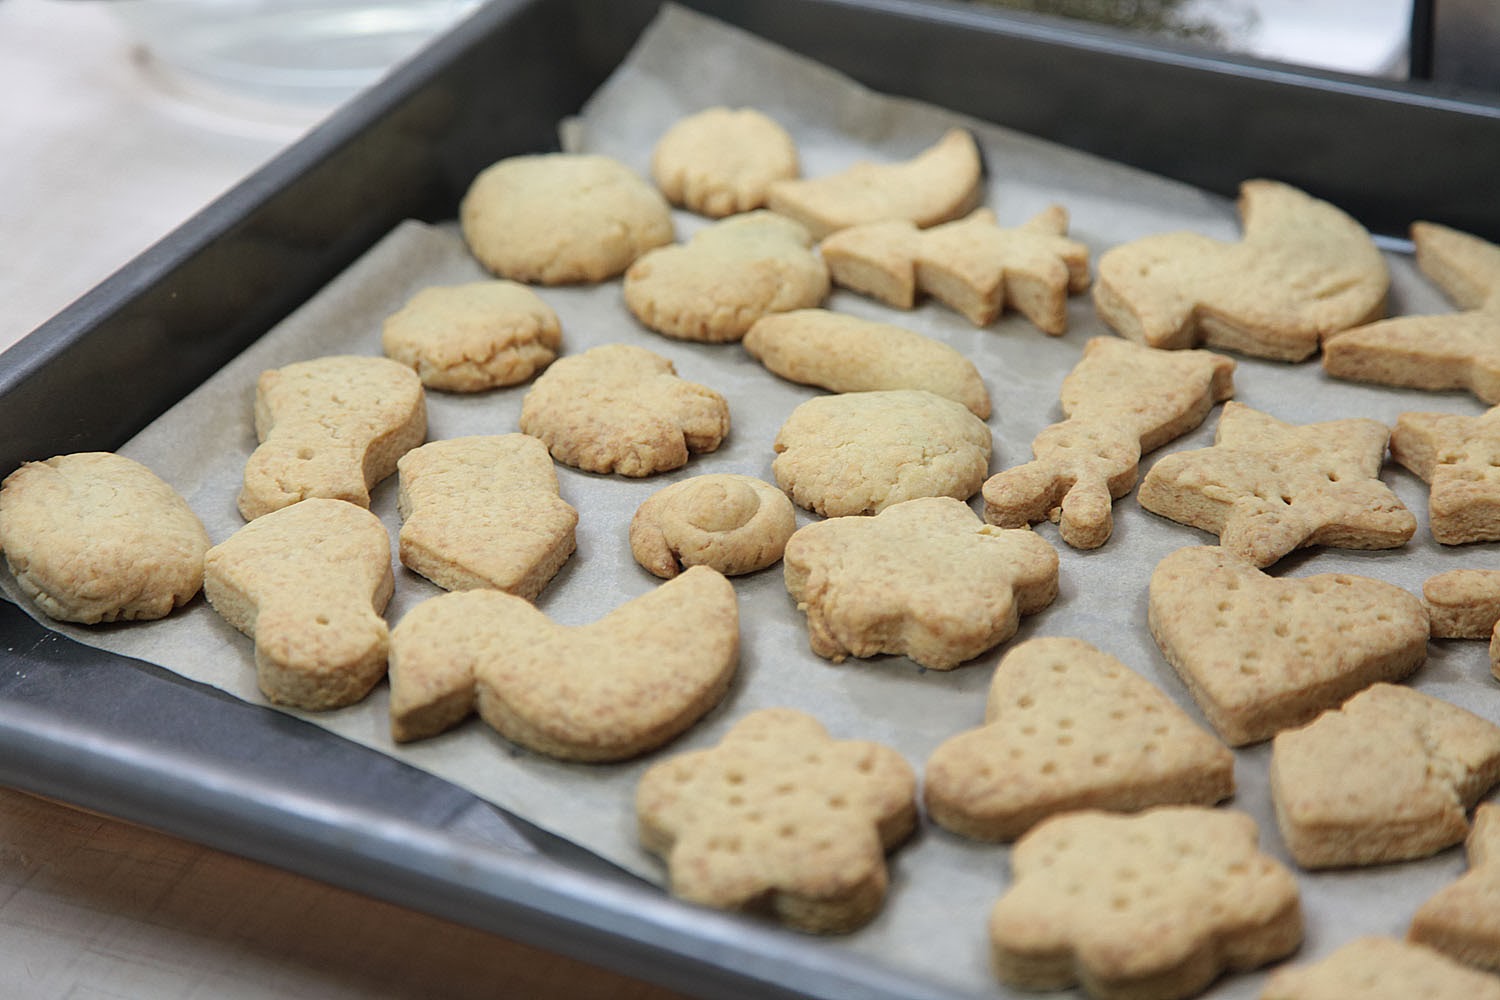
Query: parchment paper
(942,887)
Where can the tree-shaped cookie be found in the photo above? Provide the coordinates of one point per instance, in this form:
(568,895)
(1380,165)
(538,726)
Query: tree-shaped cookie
(924,579)
(1260,654)
(609,690)
(1458,350)
(1268,487)
(1463,919)
(1386,777)
(484,512)
(974,266)
(1121,400)
(1302,271)
(1465,604)
(1156,904)
(1069,727)
(780,818)
(620,408)
(1381,968)
(1459,459)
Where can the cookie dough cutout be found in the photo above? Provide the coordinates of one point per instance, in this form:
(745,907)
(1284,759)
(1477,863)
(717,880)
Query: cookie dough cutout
(473,337)
(1387,777)
(96,537)
(1121,400)
(606,691)
(562,218)
(712,288)
(843,353)
(941,183)
(1268,487)
(1156,904)
(861,452)
(720,161)
(1261,654)
(1459,350)
(333,428)
(924,579)
(308,583)
(622,409)
(1303,271)
(1465,604)
(1381,968)
(781,819)
(1068,727)
(484,512)
(730,523)
(973,266)
(1459,458)
(1461,920)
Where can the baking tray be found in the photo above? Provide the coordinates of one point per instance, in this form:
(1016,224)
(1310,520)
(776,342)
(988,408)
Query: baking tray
(138,742)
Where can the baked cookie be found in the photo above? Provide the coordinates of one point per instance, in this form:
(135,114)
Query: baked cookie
(308,583)
(605,691)
(1303,271)
(941,183)
(1386,777)
(1120,400)
(331,427)
(727,276)
(562,218)
(1268,487)
(1465,604)
(720,161)
(924,579)
(861,452)
(1260,654)
(1068,727)
(620,408)
(472,337)
(780,818)
(1462,920)
(96,537)
(1457,457)
(1155,904)
(1381,968)
(734,524)
(843,353)
(484,512)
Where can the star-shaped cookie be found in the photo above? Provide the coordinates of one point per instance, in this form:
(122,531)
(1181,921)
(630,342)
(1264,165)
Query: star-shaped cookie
(1463,920)
(1459,459)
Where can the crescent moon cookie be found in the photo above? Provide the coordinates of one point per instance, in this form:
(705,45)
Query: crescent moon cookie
(720,161)
(734,524)
(96,537)
(475,336)
(1303,271)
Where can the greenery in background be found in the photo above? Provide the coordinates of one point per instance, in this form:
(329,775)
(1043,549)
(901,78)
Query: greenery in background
(1172,18)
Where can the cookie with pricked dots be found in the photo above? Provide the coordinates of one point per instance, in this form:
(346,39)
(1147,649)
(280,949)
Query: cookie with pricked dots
(1462,920)
(780,818)
(734,524)
(1458,457)
(720,161)
(1381,968)
(474,336)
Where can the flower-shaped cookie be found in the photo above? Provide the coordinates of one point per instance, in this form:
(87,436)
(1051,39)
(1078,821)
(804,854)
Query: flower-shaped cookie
(1459,459)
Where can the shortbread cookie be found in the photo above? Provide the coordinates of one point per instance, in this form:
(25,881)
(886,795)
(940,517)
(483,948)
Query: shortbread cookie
(308,583)
(1268,487)
(96,537)
(843,353)
(720,161)
(1454,351)
(1462,920)
(1121,399)
(1379,968)
(332,428)
(734,524)
(1465,604)
(924,579)
(620,408)
(1457,457)
(726,277)
(1304,270)
(941,183)
(1156,904)
(609,690)
(1260,654)
(484,512)
(472,337)
(861,452)
(780,818)
(1068,727)
(562,218)
(1387,777)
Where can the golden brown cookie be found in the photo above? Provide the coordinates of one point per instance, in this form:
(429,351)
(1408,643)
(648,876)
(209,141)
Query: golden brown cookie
(1379,968)
(1465,604)
(1462,920)
(1457,457)
(734,524)
(472,337)
(720,161)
